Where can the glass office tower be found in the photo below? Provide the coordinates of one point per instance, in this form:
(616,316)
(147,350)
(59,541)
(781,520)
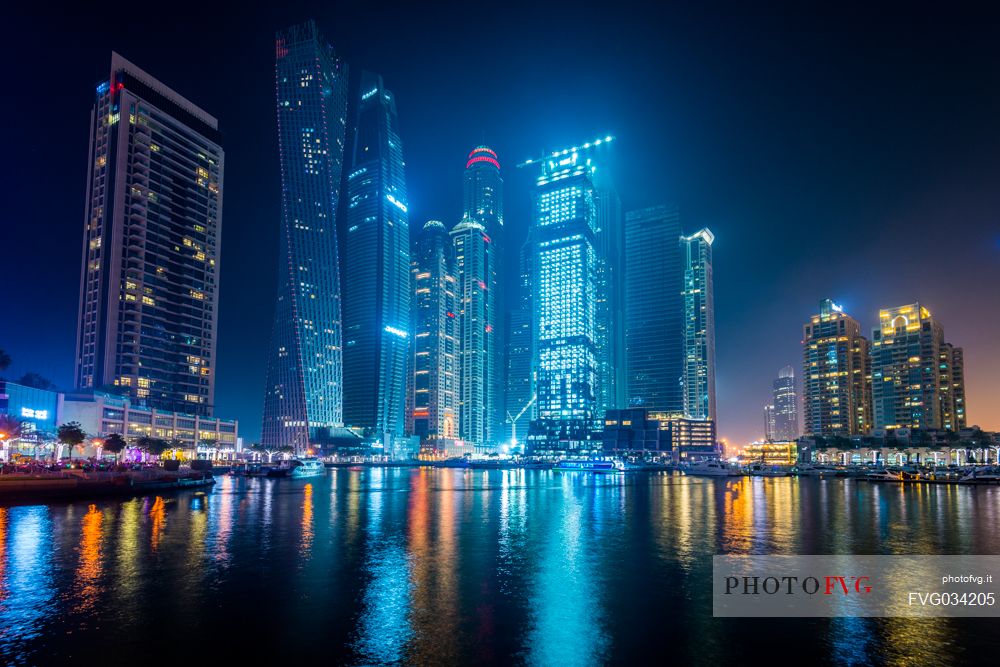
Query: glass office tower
(566,275)
(152,226)
(376,270)
(786,406)
(654,309)
(304,385)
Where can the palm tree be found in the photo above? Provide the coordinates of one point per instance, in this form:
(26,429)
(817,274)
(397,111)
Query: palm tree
(72,434)
(115,444)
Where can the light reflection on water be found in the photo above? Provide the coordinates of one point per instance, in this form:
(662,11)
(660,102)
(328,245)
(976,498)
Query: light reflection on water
(438,566)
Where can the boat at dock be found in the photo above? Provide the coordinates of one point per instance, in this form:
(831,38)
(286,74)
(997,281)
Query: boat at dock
(818,470)
(760,470)
(711,469)
(590,465)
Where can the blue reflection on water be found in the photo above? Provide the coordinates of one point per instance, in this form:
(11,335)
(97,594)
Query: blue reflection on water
(384,628)
(27,587)
(565,617)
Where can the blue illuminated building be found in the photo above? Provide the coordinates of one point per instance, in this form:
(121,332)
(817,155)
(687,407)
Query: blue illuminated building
(654,309)
(36,409)
(376,270)
(304,387)
(568,279)
(699,326)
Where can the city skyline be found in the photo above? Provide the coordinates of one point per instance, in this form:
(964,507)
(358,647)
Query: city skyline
(861,298)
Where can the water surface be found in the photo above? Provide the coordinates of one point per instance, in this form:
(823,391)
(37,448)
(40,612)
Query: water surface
(442,566)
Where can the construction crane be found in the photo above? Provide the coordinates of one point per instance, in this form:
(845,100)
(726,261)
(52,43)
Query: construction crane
(567,151)
(513,420)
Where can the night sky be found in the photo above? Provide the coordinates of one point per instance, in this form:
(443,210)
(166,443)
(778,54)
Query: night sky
(835,152)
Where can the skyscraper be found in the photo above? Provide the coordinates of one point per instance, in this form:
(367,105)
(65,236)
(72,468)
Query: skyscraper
(609,334)
(520,384)
(433,395)
(836,372)
(566,276)
(304,386)
(699,326)
(769,424)
(478,255)
(916,376)
(376,269)
(654,309)
(786,406)
(152,227)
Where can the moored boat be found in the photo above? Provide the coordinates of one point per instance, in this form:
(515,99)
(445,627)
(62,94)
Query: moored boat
(711,469)
(589,465)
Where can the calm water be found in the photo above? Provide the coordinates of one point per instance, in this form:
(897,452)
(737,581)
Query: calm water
(435,566)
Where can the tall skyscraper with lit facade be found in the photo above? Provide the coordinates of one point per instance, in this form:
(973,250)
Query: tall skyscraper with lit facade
(433,394)
(917,378)
(769,425)
(699,326)
(566,276)
(609,331)
(478,241)
(654,310)
(836,374)
(786,406)
(375,269)
(152,226)
(304,386)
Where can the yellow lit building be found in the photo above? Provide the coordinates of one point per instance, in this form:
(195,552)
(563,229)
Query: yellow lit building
(917,378)
(770,453)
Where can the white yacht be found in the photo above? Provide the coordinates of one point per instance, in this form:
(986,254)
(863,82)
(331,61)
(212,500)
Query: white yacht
(305,467)
(711,469)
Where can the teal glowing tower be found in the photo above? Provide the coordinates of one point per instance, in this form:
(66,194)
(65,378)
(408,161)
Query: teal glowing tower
(376,270)
(304,390)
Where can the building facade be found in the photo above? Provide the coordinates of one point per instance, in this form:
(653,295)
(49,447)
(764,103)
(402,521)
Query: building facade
(478,241)
(303,397)
(836,374)
(375,270)
(654,310)
(699,326)
(565,276)
(917,378)
(433,393)
(640,431)
(769,425)
(786,407)
(152,231)
(520,393)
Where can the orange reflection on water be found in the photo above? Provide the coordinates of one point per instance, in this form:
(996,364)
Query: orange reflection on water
(89,571)
(158,514)
(305,546)
(433,575)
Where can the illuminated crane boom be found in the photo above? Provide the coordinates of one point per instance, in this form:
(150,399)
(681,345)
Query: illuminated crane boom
(567,151)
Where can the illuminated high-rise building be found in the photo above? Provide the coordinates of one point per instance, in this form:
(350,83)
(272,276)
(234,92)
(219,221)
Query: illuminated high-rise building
(769,425)
(433,393)
(917,378)
(786,406)
(566,276)
(654,310)
(699,326)
(375,270)
(152,226)
(836,374)
(304,385)
(478,256)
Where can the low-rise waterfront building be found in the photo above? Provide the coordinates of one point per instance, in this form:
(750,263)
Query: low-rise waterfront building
(771,453)
(640,431)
